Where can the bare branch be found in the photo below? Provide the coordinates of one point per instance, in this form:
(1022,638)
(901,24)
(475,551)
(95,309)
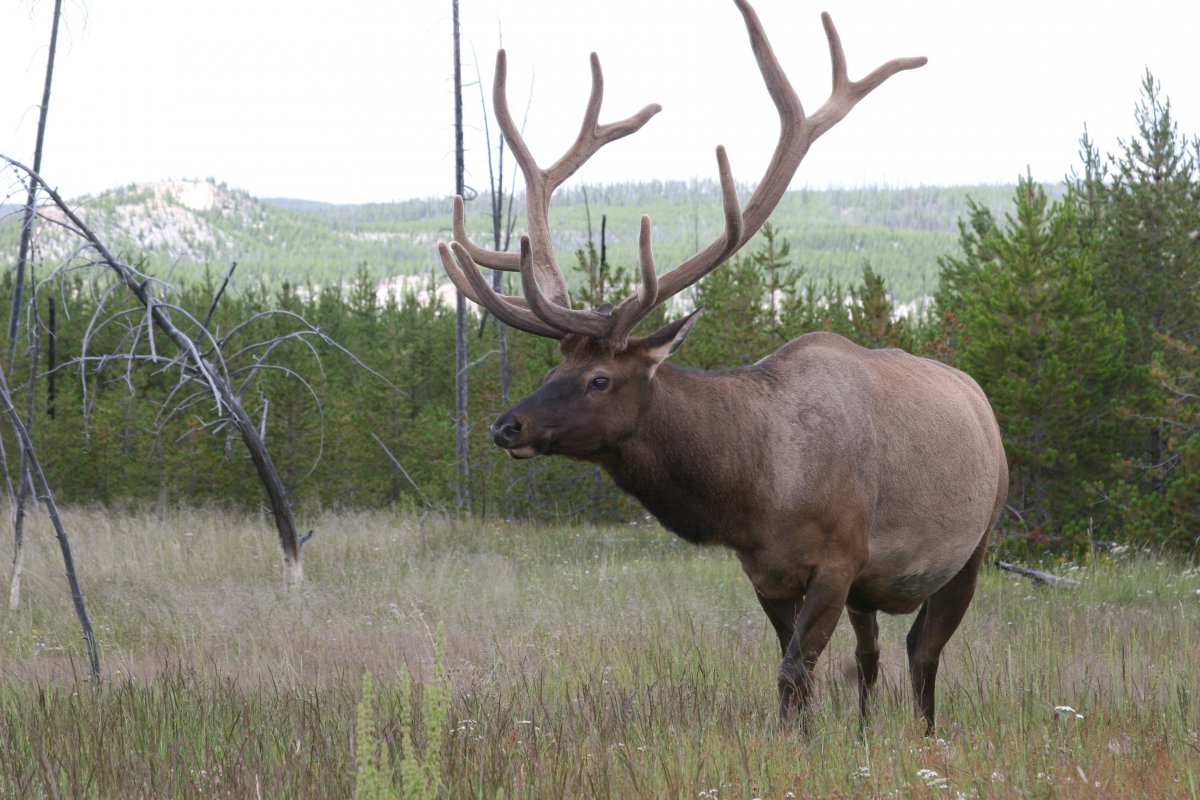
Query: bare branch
(217,297)
(396,463)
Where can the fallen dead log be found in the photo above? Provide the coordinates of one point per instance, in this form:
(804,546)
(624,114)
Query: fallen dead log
(1037,575)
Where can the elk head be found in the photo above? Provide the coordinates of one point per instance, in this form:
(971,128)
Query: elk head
(589,399)
(593,400)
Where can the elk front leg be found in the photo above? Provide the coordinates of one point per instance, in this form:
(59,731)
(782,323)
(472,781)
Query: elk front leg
(782,614)
(816,618)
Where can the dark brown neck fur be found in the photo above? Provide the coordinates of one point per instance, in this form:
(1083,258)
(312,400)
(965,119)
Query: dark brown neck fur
(693,467)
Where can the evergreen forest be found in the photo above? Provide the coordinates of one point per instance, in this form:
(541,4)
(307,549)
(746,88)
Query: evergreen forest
(1076,306)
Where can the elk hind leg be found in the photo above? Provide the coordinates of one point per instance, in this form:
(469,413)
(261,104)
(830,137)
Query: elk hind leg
(866,657)
(936,622)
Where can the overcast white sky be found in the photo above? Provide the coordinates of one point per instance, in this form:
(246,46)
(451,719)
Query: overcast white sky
(352,101)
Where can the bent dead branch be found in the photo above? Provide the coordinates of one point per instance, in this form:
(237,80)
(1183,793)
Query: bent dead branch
(204,369)
(60,531)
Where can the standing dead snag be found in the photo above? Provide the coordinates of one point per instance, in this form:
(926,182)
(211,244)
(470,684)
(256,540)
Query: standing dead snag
(842,478)
(23,248)
(462,427)
(207,372)
(30,202)
(25,482)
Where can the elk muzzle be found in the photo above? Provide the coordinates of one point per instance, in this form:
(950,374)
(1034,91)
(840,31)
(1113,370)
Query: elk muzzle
(509,431)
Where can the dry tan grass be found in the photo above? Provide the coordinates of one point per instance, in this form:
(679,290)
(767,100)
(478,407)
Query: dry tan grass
(584,662)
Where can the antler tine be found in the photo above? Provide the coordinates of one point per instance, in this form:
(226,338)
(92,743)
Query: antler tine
(569,320)
(635,307)
(546,309)
(655,290)
(647,295)
(516,142)
(493,259)
(846,93)
(542,281)
(537,191)
(547,306)
(592,135)
(797,133)
(458,275)
(465,275)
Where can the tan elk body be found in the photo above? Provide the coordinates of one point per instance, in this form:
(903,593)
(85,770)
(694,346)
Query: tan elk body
(843,478)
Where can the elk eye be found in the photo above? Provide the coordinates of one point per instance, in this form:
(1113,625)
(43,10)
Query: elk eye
(599,383)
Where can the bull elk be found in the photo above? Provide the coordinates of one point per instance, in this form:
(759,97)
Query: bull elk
(841,477)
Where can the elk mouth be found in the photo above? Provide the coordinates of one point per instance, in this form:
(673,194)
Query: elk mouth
(522,452)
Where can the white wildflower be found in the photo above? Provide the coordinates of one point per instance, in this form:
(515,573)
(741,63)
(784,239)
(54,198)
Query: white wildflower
(1066,711)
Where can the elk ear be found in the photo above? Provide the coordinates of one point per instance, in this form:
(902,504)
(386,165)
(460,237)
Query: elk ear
(667,339)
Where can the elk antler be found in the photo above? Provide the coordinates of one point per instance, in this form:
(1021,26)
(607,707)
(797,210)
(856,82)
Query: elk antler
(546,309)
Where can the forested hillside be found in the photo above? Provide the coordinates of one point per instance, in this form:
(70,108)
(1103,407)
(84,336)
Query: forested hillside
(183,228)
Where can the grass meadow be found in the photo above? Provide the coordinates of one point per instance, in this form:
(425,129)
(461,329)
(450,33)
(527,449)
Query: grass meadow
(578,662)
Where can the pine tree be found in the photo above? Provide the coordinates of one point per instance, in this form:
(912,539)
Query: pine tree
(1150,240)
(956,277)
(809,308)
(1047,351)
(778,279)
(735,330)
(873,315)
(1142,209)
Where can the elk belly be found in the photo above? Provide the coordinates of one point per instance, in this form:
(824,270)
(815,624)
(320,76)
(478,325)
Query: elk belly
(897,592)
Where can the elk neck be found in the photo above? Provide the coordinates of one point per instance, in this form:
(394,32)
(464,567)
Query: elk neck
(695,459)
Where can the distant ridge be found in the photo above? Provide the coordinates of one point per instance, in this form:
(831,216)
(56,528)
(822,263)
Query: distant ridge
(292,204)
(183,227)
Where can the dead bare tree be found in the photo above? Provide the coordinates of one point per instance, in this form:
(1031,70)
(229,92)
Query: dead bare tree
(31,199)
(25,488)
(214,370)
(64,541)
(24,479)
(18,559)
(461,424)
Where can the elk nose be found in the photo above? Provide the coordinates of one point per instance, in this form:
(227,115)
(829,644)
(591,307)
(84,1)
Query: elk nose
(505,431)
